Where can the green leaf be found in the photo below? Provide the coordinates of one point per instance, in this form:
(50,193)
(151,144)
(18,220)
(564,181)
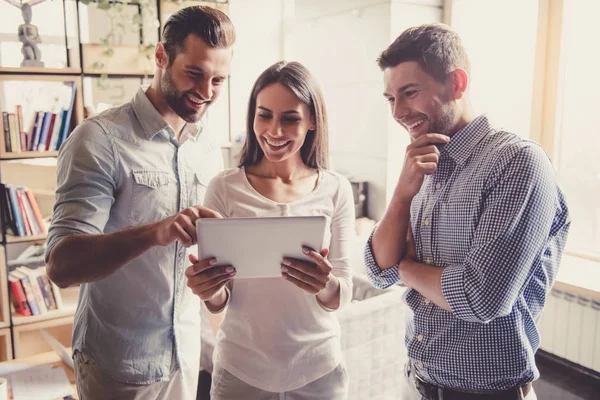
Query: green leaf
(137,19)
(104,5)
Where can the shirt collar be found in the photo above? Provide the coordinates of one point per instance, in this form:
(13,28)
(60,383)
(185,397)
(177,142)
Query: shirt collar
(153,123)
(463,142)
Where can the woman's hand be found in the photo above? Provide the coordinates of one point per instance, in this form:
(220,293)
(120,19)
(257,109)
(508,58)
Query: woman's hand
(314,277)
(208,281)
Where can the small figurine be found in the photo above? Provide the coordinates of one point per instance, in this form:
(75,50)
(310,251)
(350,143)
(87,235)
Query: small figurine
(29,36)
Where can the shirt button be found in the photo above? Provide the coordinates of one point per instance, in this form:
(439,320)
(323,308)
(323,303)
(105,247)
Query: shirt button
(427,301)
(426,222)
(419,365)
(420,338)
(428,260)
(438,185)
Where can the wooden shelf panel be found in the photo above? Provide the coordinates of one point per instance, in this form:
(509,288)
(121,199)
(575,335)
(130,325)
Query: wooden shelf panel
(69,297)
(24,239)
(38,70)
(27,154)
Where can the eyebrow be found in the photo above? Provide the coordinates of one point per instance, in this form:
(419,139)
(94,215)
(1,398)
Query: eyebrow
(285,112)
(402,89)
(194,68)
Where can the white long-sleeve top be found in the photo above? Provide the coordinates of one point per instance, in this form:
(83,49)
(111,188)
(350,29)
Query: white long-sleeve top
(276,336)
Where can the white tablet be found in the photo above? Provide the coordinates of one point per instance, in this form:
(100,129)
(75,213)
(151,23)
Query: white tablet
(256,246)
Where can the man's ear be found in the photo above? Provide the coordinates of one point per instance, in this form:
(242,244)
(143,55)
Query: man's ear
(458,81)
(161,57)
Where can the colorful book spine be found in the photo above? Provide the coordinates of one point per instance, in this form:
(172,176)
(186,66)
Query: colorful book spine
(26,223)
(19,299)
(36,210)
(6,128)
(28,289)
(16,211)
(37,291)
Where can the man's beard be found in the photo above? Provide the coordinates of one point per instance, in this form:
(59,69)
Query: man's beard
(177,100)
(445,118)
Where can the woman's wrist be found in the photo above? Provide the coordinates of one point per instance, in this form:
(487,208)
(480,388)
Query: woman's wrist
(218,303)
(330,296)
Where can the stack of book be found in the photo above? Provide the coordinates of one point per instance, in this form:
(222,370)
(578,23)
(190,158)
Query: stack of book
(47,132)
(32,292)
(20,211)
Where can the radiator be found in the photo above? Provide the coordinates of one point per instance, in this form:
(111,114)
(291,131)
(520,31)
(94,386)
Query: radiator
(570,328)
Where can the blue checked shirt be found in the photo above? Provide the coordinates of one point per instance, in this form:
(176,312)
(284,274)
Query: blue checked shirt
(495,219)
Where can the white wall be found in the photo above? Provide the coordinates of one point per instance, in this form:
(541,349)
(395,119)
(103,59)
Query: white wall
(339,41)
(258,25)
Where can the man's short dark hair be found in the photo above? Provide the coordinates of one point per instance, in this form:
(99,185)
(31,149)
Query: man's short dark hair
(210,24)
(436,47)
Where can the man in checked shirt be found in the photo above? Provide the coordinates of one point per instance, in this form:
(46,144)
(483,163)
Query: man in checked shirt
(475,228)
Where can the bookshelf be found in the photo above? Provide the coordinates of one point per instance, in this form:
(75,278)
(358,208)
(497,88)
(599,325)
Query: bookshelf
(36,170)
(20,335)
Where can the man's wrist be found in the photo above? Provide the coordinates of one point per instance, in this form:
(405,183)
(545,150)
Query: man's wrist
(406,270)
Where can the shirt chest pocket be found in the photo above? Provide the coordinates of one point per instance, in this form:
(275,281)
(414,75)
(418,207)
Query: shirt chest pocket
(153,196)
(198,189)
(456,228)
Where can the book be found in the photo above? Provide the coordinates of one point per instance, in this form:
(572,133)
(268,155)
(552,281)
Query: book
(37,291)
(28,289)
(5,125)
(36,210)
(26,223)
(16,210)
(35,138)
(19,113)
(53,138)
(67,120)
(46,287)
(19,299)
(34,130)
(41,138)
(14,136)
(31,218)
(7,210)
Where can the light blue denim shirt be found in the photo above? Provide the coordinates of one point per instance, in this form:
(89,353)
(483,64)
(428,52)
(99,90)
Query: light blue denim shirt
(123,168)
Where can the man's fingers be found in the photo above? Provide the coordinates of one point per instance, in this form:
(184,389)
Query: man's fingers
(432,157)
(193,259)
(427,168)
(429,138)
(204,212)
(181,234)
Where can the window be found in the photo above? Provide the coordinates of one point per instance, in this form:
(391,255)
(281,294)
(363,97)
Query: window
(502,57)
(578,142)
(534,72)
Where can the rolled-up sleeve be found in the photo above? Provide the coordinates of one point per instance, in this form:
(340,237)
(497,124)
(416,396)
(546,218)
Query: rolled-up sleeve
(85,184)
(380,278)
(509,242)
